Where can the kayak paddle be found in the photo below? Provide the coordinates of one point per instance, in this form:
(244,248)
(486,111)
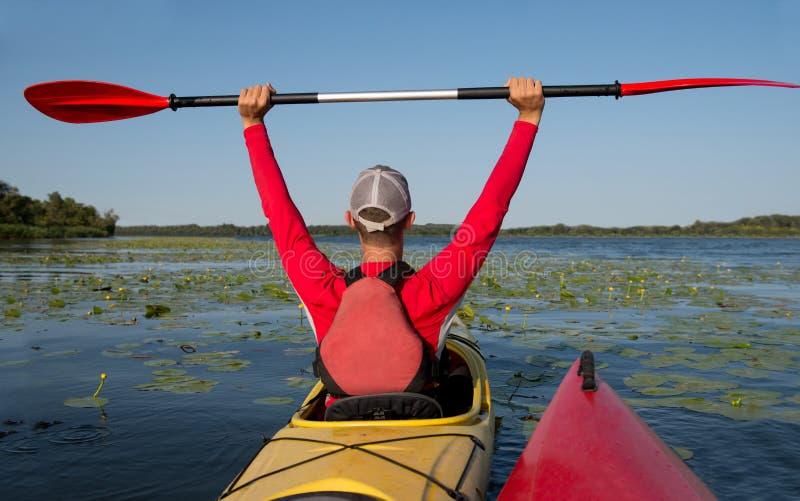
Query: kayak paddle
(82,101)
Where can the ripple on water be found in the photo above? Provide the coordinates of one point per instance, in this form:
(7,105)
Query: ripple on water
(82,434)
(76,435)
(25,445)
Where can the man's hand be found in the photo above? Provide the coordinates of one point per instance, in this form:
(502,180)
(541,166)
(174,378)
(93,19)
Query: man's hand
(254,103)
(526,96)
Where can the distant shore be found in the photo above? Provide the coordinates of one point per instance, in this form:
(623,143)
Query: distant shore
(23,217)
(776,225)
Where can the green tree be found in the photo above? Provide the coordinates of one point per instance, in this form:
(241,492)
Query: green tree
(24,217)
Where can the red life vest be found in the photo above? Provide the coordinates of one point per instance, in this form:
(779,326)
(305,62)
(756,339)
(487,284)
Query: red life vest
(371,346)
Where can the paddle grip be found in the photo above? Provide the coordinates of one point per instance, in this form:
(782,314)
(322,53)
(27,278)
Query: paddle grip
(614,89)
(176,102)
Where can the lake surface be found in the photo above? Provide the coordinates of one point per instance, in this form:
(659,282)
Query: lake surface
(700,336)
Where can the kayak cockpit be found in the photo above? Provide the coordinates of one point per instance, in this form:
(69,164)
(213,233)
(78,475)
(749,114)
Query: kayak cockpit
(384,406)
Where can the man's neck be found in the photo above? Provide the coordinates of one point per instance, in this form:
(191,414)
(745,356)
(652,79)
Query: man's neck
(372,254)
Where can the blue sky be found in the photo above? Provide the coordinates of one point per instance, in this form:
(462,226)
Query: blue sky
(661,159)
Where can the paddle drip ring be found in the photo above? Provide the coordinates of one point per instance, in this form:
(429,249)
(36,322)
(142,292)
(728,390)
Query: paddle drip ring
(83,434)
(26,445)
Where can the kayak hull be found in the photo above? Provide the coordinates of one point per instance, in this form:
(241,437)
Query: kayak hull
(373,459)
(591,445)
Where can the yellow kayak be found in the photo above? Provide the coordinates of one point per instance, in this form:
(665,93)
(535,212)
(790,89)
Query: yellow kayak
(420,459)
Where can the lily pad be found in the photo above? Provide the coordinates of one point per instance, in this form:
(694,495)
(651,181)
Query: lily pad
(772,359)
(156,310)
(699,384)
(228,365)
(300,382)
(748,397)
(632,353)
(679,350)
(214,334)
(169,380)
(661,391)
(726,343)
(164,362)
(749,372)
(247,335)
(674,384)
(466,313)
(63,353)
(196,386)
(788,415)
(659,361)
(12,313)
(274,401)
(150,387)
(14,363)
(178,384)
(127,346)
(207,358)
(645,379)
(86,402)
(169,372)
(116,353)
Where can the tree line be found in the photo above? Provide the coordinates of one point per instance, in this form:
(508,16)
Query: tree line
(776,225)
(56,217)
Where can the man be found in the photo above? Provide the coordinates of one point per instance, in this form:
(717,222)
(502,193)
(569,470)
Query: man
(380,324)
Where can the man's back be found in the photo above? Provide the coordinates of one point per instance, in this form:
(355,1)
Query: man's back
(431,294)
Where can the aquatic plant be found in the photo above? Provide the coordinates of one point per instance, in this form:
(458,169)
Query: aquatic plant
(95,400)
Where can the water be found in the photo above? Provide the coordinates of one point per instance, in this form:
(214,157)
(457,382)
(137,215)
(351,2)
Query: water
(734,302)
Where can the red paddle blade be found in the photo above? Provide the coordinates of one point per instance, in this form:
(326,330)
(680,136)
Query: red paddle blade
(636,89)
(81,101)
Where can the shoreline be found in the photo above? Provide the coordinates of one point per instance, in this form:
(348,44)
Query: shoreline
(767,226)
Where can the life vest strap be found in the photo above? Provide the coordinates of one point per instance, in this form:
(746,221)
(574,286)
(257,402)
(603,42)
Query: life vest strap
(393,275)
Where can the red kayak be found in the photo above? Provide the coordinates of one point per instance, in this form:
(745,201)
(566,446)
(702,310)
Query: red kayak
(591,445)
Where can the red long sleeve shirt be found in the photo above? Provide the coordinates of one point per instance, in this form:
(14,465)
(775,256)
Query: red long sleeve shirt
(431,295)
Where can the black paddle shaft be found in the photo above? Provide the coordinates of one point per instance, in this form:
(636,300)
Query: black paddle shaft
(614,89)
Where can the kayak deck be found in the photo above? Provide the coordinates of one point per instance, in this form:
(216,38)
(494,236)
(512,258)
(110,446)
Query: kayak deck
(591,445)
(441,458)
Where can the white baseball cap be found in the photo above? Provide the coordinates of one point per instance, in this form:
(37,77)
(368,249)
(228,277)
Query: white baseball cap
(384,188)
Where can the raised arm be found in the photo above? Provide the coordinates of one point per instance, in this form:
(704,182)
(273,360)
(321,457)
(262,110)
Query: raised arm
(450,272)
(309,270)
